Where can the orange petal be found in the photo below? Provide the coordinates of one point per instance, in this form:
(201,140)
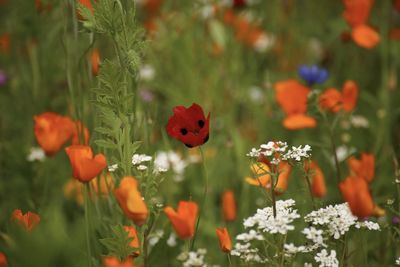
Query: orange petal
(365,36)
(299,121)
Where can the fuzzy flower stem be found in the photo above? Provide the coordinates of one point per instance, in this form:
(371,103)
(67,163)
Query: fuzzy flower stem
(333,146)
(204,197)
(273,178)
(89,253)
(307,178)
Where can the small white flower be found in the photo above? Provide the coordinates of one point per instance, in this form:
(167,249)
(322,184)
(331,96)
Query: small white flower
(138,159)
(153,240)
(147,73)
(342,152)
(291,249)
(314,235)
(264,42)
(171,241)
(369,225)
(327,260)
(141,167)
(113,167)
(36,153)
(337,219)
(256,94)
(251,235)
(398,261)
(265,221)
(359,121)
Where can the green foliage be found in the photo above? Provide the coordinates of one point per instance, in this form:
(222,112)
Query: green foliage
(118,244)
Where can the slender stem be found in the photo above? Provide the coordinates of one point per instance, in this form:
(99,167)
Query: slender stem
(204,197)
(273,176)
(282,252)
(307,178)
(333,146)
(89,253)
(229,259)
(344,253)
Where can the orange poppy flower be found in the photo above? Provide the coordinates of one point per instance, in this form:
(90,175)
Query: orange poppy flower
(5,43)
(356,192)
(95,61)
(225,242)
(110,261)
(349,95)
(335,101)
(331,100)
(365,36)
(85,166)
(356,14)
(357,11)
(263,179)
(52,131)
(3,260)
(77,131)
(184,219)
(130,200)
(28,220)
(229,206)
(292,97)
(135,242)
(299,121)
(318,186)
(364,167)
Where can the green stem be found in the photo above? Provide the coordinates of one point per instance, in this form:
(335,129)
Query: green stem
(307,177)
(89,253)
(229,259)
(273,178)
(204,197)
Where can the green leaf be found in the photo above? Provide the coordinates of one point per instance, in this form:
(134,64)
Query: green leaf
(118,244)
(105,144)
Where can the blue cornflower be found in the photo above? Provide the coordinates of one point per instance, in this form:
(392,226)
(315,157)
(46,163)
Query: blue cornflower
(313,74)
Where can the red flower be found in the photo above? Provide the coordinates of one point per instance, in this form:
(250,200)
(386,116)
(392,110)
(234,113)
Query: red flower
(28,220)
(189,125)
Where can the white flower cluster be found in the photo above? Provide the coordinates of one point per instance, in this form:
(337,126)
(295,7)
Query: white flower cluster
(265,221)
(327,260)
(138,160)
(166,160)
(315,235)
(398,261)
(247,253)
(155,237)
(194,258)
(369,225)
(113,167)
(298,153)
(278,151)
(251,235)
(36,154)
(337,219)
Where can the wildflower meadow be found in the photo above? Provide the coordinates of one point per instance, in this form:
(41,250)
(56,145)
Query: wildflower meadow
(212,133)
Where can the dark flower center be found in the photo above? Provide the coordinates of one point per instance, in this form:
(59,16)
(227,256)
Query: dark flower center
(201,123)
(184,131)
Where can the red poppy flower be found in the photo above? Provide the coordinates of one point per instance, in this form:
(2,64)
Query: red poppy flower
(189,125)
